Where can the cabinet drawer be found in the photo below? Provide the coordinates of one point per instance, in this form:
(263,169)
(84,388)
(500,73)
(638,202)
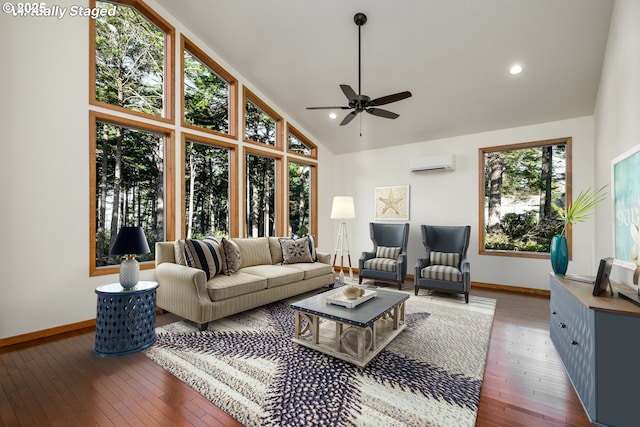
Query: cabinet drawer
(571,329)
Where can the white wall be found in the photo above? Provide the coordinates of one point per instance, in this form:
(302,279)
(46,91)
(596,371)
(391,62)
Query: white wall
(44,171)
(451,198)
(617,113)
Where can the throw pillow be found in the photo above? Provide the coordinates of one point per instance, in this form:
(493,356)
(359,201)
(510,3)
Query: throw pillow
(205,254)
(178,252)
(294,251)
(312,247)
(387,252)
(232,255)
(451,259)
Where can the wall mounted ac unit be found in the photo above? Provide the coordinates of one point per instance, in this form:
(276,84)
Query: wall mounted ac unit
(430,163)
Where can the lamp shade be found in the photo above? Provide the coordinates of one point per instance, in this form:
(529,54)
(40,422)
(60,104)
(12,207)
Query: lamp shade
(130,240)
(343,208)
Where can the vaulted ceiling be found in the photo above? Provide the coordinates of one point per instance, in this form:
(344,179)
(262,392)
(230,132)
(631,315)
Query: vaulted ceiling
(453,55)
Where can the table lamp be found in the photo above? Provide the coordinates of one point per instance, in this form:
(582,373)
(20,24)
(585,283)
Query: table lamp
(130,242)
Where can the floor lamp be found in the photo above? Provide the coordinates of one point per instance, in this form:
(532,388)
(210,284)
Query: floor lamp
(343,208)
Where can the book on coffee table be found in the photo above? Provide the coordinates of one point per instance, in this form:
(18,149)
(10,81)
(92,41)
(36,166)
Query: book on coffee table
(338,298)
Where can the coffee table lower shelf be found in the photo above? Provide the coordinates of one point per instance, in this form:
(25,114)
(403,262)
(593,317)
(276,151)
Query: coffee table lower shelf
(354,344)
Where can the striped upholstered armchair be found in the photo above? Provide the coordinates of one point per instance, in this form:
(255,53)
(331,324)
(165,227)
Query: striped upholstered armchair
(387,262)
(446,267)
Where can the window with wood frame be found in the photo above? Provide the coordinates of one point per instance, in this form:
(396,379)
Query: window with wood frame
(209,93)
(132,60)
(299,144)
(209,187)
(263,193)
(302,200)
(262,125)
(131,184)
(522,186)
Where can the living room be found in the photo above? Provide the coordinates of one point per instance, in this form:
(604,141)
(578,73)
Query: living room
(46,167)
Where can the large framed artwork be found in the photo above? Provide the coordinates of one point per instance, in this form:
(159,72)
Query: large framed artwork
(625,171)
(392,203)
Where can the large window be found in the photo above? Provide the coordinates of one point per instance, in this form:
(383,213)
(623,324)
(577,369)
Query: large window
(263,194)
(521,188)
(128,186)
(209,188)
(262,125)
(302,198)
(132,67)
(209,92)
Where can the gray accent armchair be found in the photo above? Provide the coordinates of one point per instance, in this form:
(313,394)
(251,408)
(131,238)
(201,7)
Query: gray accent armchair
(387,262)
(446,267)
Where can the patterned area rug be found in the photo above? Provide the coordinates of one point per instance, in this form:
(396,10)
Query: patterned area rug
(247,365)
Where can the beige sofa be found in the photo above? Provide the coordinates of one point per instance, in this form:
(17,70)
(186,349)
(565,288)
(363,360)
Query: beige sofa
(261,278)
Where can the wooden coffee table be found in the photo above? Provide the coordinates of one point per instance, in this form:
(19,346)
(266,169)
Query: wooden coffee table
(355,335)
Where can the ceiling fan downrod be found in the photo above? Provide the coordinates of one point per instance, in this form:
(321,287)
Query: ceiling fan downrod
(360,19)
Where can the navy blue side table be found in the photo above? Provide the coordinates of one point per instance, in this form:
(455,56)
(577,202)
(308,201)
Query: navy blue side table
(126,319)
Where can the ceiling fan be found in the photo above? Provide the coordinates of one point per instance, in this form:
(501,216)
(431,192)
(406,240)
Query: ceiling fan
(359,102)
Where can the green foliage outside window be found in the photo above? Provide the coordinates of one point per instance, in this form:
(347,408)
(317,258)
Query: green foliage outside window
(130,61)
(524,194)
(206,96)
(261,196)
(207,191)
(298,146)
(299,198)
(129,187)
(259,127)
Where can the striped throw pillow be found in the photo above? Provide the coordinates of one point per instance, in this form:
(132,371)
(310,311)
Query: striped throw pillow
(205,254)
(452,259)
(387,252)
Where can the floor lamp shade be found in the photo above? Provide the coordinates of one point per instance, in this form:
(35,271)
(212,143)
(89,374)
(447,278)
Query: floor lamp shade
(130,242)
(343,208)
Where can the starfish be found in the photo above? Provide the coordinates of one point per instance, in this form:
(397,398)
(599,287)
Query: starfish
(310,383)
(390,202)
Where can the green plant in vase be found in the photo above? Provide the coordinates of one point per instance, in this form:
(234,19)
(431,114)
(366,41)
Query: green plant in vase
(578,211)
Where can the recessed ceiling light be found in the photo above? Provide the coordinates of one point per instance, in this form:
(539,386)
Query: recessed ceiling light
(516,69)
(332,115)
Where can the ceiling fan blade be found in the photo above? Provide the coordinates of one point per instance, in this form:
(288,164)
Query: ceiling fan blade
(349,92)
(328,108)
(348,118)
(390,98)
(382,113)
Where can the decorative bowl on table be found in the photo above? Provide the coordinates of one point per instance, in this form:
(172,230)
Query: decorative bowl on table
(353,292)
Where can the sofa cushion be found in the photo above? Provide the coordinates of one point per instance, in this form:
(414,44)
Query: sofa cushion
(388,252)
(294,251)
(311,270)
(178,252)
(275,249)
(253,251)
(232,257)
(381,264)
(442,272)
(223,287)
(276,275)
(452,259)
(205,254)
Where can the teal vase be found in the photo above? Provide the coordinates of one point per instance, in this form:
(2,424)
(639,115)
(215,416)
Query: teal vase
(559,254)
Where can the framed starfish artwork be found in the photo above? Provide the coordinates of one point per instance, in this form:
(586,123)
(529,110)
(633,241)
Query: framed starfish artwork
(392,203)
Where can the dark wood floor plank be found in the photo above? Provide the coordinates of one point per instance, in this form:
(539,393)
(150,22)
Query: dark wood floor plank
(57,381)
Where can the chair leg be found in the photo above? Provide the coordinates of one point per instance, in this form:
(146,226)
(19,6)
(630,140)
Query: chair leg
(359,279)
(466,297)
(203,326)
(415,290)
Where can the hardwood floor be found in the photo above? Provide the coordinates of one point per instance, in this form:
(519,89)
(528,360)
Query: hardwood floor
(58,382)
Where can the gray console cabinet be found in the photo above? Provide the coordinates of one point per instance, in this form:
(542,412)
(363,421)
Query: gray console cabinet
(598,340)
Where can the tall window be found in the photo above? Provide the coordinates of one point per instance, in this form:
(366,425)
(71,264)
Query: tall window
(209,188)
(302,198)
(132,65)
(209,92)
(262,124)
(300,144)
(262,194)
(128,184)
(522,187)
